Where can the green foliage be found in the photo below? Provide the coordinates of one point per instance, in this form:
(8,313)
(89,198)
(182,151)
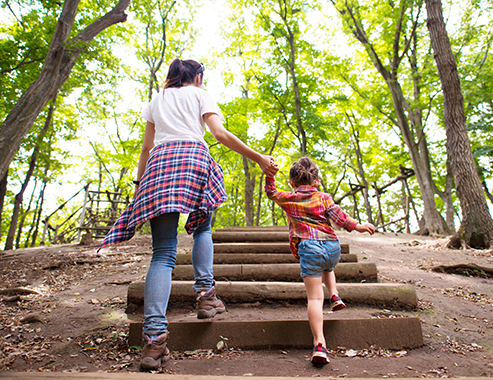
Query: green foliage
(294,85)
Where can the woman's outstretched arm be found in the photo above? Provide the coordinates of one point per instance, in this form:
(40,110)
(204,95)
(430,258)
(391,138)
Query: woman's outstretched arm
(225,137)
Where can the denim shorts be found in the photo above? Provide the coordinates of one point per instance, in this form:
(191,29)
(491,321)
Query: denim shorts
(317,256)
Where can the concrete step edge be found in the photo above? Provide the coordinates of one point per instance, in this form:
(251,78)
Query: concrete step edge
(345,272)
(241,246)
(385,333)
(381,294)
(256,258)
(161,376)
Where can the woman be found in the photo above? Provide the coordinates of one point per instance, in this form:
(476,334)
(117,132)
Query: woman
(176,174)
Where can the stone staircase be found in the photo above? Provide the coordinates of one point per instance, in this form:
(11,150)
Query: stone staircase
(259,279)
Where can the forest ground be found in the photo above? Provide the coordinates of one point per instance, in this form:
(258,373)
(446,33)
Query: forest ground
(76,321)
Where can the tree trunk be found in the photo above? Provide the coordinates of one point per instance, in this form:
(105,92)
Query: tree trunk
(433,221)
(9,244)
(477,226)
(249,190)
(155,63)
(38,213)
(297,98)
(261,181)
(446,197)
(290,66)
(24,216)
(259,203)
(361,170)
(3,192)
(62,55)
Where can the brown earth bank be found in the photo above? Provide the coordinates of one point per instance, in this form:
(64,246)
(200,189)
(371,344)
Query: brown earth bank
(63,307)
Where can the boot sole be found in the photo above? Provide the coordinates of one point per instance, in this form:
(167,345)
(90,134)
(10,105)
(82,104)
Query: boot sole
(149,364)
(204,314)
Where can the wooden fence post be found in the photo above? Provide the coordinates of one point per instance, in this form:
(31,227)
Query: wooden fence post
(380,214)
(83,213)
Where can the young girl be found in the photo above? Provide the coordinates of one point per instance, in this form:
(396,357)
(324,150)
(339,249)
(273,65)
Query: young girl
(313,241)
(176,174)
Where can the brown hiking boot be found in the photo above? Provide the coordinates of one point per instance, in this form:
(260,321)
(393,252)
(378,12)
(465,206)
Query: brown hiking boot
(154,353)
(209,304)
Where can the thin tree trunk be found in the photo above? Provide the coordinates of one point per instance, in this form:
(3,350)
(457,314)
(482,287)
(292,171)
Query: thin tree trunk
(361,170)
(297,98)
(413,205)
(433,221)
(155,63)
(487,191)
(3,192)
(60,60)
(39,212)
(259,203)
(273,213)
(24,216)
(236,197)
(249,190)
(261,181)
(9,244)
(290,66)
(477,226)
(418,151)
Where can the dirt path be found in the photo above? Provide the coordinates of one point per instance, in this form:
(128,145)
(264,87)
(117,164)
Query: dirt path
(76,321)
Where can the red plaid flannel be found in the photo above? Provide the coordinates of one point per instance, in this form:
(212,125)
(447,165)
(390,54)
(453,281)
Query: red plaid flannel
(180,176)
(309,213)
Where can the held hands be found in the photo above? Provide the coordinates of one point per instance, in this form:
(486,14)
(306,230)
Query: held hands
(268,166)
(367,227)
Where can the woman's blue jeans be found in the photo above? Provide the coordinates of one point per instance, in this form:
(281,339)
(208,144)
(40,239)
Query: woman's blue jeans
(158,279)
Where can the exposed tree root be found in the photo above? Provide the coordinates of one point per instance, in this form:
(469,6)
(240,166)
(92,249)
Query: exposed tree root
(469,269)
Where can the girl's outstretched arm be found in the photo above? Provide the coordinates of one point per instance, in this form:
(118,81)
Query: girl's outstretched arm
(367,227)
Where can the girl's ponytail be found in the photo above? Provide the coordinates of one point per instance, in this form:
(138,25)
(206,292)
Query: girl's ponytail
(180,72)
(175,74)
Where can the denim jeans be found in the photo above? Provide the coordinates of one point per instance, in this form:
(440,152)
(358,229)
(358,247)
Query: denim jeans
(317,256)
(158,279)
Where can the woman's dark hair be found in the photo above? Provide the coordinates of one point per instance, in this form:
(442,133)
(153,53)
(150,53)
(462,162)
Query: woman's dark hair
(304,172)
(183,72)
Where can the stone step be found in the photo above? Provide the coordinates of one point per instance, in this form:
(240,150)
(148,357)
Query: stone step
(256,258)
(272,247)
(385,333)
(388,295)
(253,228)
(345,272)
(250,236)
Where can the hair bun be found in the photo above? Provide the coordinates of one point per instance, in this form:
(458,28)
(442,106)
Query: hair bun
(304,172)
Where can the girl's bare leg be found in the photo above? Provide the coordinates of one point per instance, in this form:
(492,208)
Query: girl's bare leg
(315,296)
(329,279)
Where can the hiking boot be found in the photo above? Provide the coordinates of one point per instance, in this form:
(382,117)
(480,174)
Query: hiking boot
(154,353)
(336,303)
(209,304)
(320,355)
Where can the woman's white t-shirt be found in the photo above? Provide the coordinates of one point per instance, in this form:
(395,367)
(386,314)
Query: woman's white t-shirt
(178,114)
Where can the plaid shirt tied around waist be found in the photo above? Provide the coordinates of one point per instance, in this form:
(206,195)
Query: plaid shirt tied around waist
(180,176)
(309,213)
